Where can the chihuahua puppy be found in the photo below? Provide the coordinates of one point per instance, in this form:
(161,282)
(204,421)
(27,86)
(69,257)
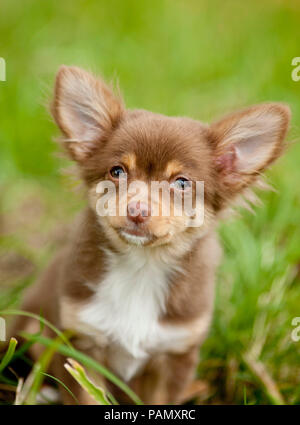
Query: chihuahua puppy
(137,289)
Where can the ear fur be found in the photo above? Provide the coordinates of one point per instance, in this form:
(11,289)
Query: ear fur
(246,143)
(85,110)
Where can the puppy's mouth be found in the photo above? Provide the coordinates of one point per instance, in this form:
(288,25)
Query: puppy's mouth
(136,236)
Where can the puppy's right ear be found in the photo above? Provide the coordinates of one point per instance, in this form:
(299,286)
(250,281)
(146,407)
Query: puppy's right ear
(85,109)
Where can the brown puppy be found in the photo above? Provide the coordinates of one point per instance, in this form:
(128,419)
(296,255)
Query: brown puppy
(138,288)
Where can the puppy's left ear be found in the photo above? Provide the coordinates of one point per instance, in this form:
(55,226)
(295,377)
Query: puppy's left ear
(246,143)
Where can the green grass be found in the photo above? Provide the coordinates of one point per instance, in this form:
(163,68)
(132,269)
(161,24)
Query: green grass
(195,58)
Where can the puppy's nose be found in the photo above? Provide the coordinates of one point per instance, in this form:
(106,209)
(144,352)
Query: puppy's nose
(138,212)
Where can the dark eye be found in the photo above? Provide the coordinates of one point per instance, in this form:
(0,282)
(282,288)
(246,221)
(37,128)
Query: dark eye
(117,171)
(182,183)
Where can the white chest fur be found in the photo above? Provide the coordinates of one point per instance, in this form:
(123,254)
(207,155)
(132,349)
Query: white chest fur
(126,308)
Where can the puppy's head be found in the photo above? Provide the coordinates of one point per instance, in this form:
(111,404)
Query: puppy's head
(129,152)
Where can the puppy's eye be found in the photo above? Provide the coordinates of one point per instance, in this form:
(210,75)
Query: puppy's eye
(182,183)
(117,171)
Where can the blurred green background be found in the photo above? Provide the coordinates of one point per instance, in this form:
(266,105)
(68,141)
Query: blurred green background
(193,58)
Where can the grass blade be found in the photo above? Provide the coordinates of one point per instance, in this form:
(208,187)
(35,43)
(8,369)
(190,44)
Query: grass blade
(9,354)
(79,374)
(40,319)
(62,384)
(35,379)
(87,361)
(261,374)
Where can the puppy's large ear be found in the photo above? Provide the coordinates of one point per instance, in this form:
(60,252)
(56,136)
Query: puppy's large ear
(246,143)
(85,109)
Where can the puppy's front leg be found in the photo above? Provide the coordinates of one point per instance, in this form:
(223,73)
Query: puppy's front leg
(166,377)
(182,368)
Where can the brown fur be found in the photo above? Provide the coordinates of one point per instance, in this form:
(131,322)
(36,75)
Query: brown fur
(151,147)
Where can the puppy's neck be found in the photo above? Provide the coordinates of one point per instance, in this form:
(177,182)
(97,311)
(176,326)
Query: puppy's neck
(93,247)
